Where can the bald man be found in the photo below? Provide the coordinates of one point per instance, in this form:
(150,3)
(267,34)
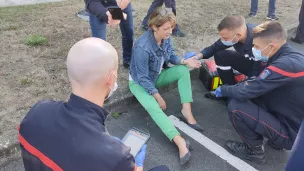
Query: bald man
(71,136)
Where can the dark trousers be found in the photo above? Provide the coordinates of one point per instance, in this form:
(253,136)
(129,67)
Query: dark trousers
(99,30)
(227,60)
(300,31)
(158,3)
(253,123)
(160,168)
(271,7)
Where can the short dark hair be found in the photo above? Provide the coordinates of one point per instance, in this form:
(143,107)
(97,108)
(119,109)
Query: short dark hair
(270,29)
(231,22)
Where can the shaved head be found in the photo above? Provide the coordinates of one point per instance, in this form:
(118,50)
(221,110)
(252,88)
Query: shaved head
(90,61)
(92,66)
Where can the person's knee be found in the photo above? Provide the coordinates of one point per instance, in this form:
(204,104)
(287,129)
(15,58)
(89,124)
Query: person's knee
(128,32)
(219,55)
(182,69)
(153,109)
(232,105)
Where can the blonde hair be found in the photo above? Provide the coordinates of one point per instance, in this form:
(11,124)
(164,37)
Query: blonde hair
(270,29)
(160,16)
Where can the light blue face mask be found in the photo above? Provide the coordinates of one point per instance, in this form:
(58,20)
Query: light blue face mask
(258,54)
(229,43)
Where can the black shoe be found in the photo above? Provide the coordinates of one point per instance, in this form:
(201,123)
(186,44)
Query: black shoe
(211,95)
(179,34)
(242,150)
(126,64)
(187,145)
(251,15)
(144,28)
(296,40)
(195,126)
(185,159)
(273,146)
(272,17)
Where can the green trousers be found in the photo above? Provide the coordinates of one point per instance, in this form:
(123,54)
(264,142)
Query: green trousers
(178,73)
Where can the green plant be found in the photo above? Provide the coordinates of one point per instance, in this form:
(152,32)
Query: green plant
(25,81)
(116,115)
(35,40)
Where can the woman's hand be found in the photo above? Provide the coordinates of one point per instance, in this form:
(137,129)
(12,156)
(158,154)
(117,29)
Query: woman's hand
(193,63)
(160,101)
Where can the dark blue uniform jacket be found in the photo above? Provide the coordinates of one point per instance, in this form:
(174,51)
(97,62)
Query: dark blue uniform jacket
(279,88)
(244,49)
(70,136)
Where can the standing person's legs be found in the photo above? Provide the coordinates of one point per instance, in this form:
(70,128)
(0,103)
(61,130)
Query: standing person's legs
(172,4)
(300,31)
(127,31)
(227,60)
(176,31)
(254,7)
(155,4)
(160,168)
(271,8)
(98,27)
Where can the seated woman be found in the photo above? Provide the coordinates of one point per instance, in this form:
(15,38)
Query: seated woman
(149,70)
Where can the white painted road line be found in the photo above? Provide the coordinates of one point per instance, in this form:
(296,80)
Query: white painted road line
(212,146)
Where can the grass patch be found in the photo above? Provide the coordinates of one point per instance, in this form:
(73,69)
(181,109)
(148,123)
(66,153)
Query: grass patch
(116,115)
(35,40)
(10,13)
(25,81)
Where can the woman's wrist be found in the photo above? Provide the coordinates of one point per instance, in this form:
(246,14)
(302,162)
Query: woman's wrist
(184,62)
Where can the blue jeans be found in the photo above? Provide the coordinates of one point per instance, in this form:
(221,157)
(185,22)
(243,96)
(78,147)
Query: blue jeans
(99,30)
(271,7)
(158,3)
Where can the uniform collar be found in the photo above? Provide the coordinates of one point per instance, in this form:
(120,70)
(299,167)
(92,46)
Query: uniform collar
(249,35)
(84,106)
(285,48)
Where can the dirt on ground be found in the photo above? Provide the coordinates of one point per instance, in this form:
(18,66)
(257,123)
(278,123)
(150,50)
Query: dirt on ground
(29,74)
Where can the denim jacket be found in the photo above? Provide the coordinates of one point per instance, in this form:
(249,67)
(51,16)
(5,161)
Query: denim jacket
(146,61)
